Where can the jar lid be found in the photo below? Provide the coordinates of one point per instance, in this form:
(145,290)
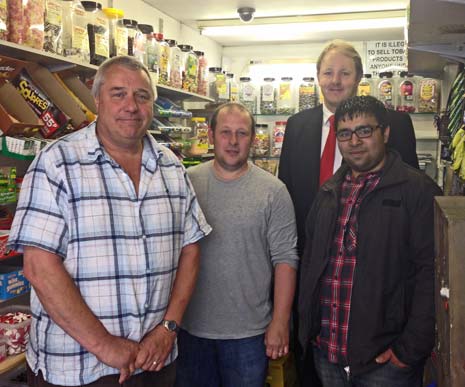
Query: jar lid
(145,28)
(130,23)
(385,74)
(244,79)
(199,119)
(280,122)
(113,13)
(367,75)
(185,47)
(158,36)
(214,69)
(261,126)
(268,79)
(286,79)
(91,5)
(308,79)
(230,75)
(404,74)
(199,53)
(171,42)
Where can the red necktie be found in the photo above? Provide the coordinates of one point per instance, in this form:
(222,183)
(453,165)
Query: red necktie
(327,158)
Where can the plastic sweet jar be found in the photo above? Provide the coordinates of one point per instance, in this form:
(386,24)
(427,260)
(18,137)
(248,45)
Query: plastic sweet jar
(261,145)
(175,78)
(75,37)
(406,93)
(3,20)
(153,56)
(26,22)
(268,96)
(308,93)
(248,94)
(163,59)
(385,89)
(190,63)
(202,73)
(131,27)
(53,25)
(365,87)
(233,87)
(98,29)
(428,101)
(115,17)
(217,88)
(140,42)
(149,49)
(285,103)
(200,142)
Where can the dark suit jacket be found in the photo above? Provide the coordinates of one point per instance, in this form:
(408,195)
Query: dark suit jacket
(299,165)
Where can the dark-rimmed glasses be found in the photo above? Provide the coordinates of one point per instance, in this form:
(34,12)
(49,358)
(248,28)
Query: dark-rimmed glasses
(361,132)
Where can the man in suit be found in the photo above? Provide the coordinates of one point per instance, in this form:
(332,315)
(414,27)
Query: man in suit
(308,159)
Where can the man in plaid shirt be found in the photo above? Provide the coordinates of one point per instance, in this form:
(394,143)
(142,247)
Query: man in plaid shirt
(367,276)
(109,225)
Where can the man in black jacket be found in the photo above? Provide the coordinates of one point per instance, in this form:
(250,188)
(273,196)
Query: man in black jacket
(366,306)
(302,163)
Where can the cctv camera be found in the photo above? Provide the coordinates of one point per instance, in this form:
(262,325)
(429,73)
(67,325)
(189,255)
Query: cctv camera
(246,14)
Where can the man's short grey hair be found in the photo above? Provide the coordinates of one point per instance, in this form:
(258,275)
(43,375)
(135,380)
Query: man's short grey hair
(129,62)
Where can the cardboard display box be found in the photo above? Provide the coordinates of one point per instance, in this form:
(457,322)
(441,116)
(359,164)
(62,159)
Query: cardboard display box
(79,89)
(9,68)
(45,80)
(12,282)
(16,116)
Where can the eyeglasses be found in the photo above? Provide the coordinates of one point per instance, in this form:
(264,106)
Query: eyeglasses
(360,131)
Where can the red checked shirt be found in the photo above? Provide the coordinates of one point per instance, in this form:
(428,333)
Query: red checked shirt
(337,280)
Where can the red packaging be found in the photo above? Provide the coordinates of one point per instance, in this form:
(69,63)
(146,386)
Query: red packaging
(14,329)
(54,119)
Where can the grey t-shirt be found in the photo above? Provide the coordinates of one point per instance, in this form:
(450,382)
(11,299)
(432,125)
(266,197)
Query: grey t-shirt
(253,229)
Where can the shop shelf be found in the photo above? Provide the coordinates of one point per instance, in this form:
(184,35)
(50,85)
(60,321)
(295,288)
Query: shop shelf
(56,62)
(12,362)
(7,153)
(53,62)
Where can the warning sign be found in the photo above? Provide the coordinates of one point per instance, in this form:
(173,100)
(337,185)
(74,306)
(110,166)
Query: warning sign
(385,53)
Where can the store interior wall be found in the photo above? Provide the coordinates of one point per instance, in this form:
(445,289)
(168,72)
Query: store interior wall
(236,59)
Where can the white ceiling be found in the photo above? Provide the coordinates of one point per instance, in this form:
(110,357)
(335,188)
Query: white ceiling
(190,12)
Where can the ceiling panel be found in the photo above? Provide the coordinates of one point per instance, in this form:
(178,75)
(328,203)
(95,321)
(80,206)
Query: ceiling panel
(185,10)
(190,12)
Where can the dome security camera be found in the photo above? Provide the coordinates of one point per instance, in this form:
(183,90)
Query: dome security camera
(246,14)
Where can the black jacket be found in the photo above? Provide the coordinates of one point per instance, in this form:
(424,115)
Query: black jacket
(299,165)
(392,302)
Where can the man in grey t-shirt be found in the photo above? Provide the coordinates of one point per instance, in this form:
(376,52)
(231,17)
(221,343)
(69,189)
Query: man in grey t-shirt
(232,326)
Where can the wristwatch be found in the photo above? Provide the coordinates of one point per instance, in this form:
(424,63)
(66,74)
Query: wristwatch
(170,325)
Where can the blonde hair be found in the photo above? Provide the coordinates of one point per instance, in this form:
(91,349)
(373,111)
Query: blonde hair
(344,48)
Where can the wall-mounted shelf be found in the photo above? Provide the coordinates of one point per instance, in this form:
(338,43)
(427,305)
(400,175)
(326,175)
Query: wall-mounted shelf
(58,63)
(52,61)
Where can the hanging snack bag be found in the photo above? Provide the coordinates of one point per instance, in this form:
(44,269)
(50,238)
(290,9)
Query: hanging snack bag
(15,21)
(33,29)
(26,22)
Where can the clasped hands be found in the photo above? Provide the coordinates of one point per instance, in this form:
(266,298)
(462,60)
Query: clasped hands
(126,355)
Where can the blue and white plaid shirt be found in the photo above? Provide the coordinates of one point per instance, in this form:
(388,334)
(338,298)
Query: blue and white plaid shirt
(121,249)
